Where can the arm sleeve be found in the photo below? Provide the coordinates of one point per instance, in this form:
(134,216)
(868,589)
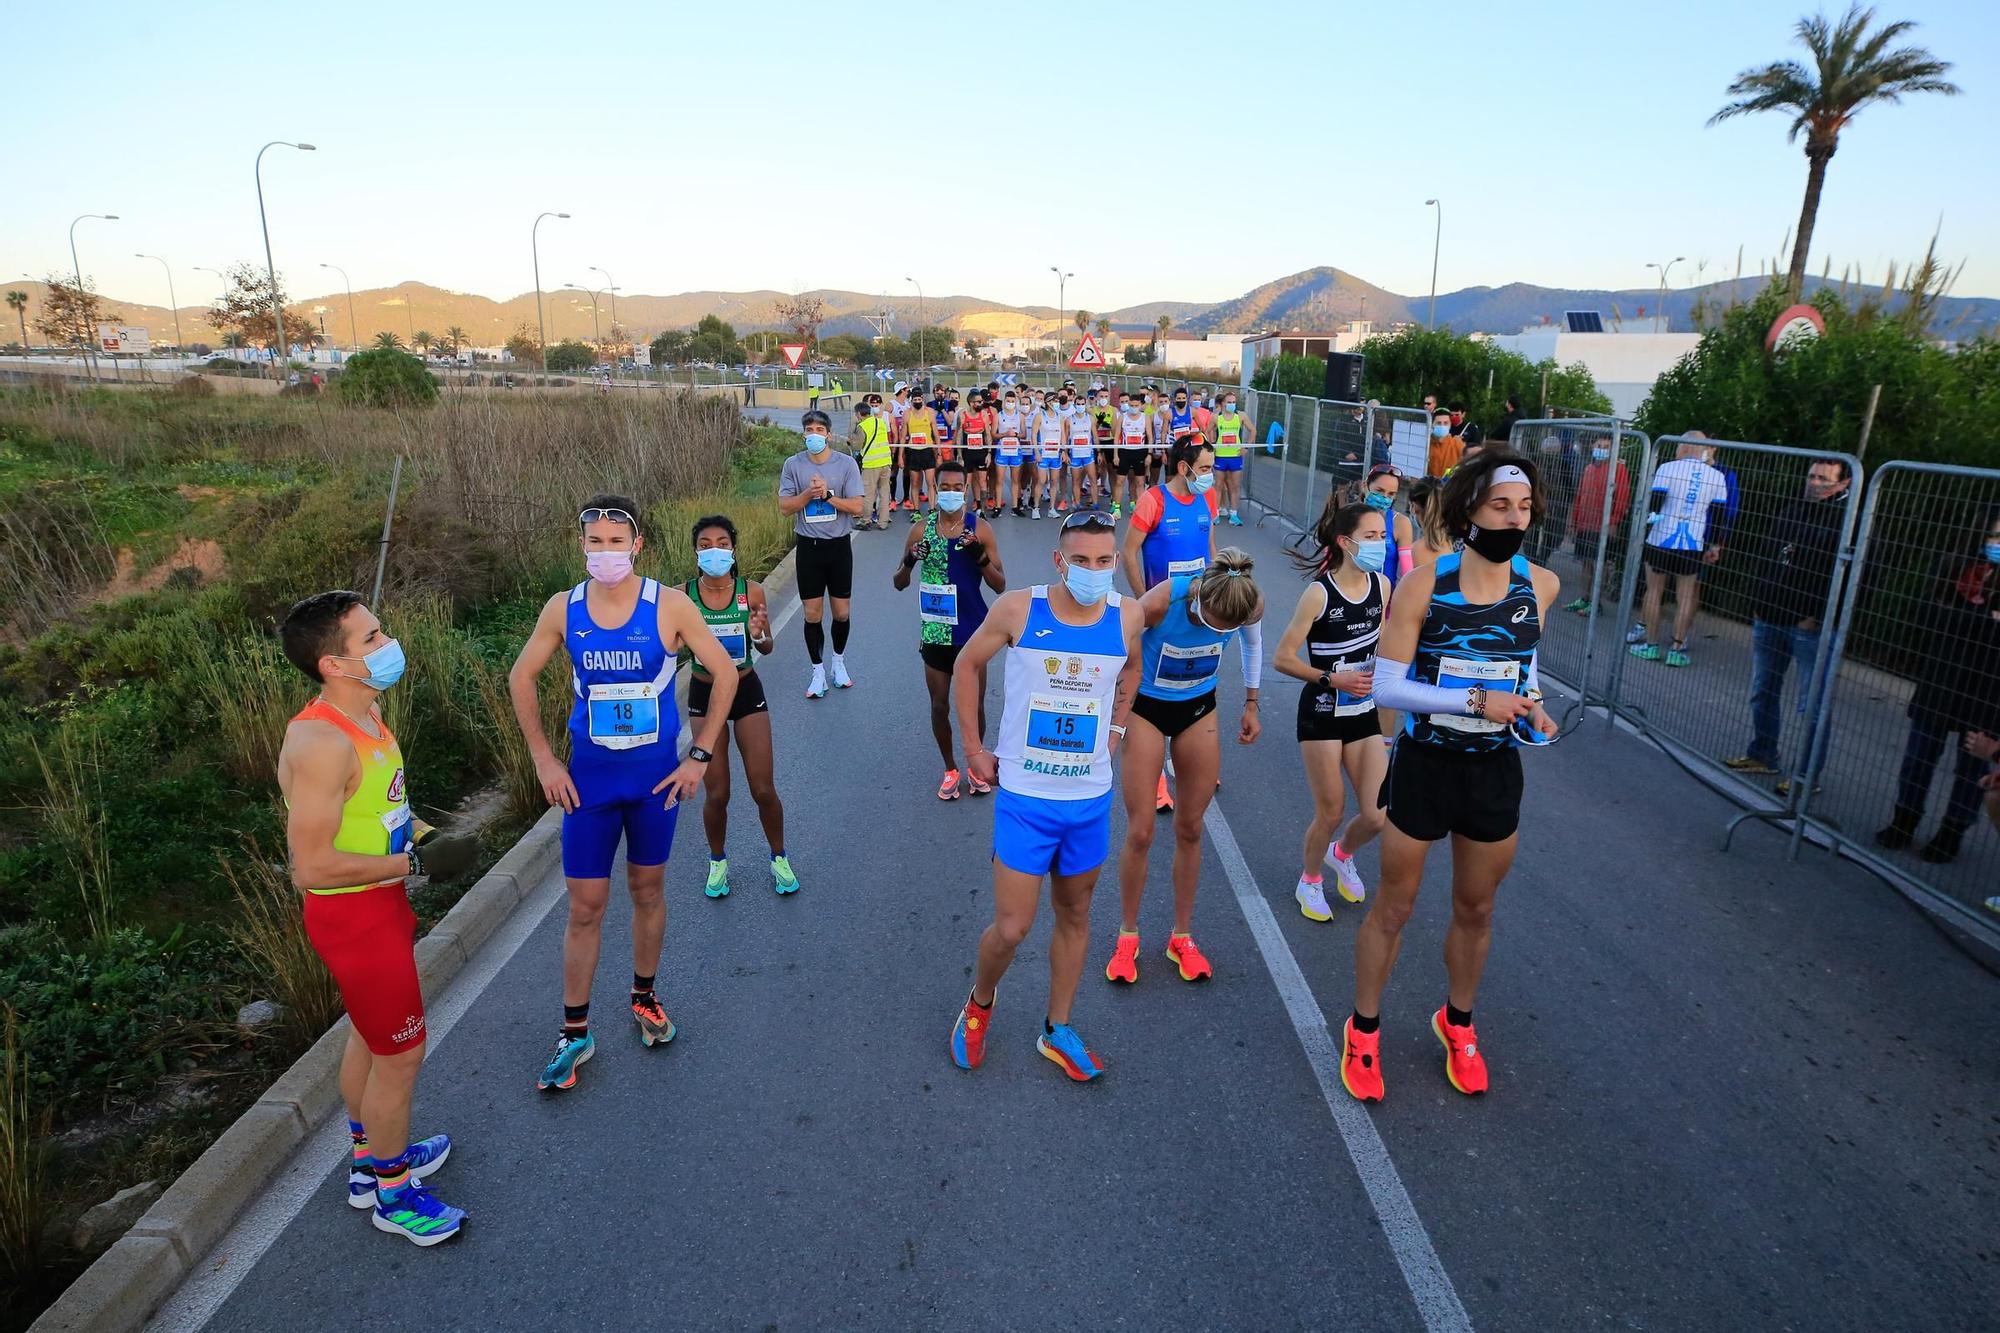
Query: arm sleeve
(1251,644)
(1718,523)
(1532,683)
(1406,560)
(1394,689)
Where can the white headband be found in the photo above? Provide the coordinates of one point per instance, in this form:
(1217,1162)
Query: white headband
(1500,476)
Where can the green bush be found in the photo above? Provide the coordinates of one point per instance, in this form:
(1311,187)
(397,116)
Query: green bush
(570,357)
(385,377)
(1405,365)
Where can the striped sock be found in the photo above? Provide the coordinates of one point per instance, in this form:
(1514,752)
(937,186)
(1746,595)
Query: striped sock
(359,1138)
(391,1179)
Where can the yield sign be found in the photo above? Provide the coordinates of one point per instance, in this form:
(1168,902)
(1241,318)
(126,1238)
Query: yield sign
(793,353)
(1088,355)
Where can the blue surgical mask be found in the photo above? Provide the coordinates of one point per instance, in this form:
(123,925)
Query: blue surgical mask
(715,561)
(817,444)
(1438,432)
(385,665)
(1381,501)
(1089,586)
(1993,553)
(1371,556)
(1600,454)
(1200,482)
(951,501)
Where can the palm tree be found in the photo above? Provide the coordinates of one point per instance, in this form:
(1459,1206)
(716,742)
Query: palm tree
(1852,68)
(423,341)
(18,303)
(1163,323)
(234,339)
(456,337)
(387,341)
(1103,328)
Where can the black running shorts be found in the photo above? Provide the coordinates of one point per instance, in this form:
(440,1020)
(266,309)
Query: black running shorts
(825,567)
(1318,721)
(749,696)
(919,460)
(1170,717)
(1132,462)
(1678,563)
(1432,791)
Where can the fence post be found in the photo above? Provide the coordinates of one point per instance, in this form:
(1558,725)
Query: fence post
(1284,460)
(1635,538)
(1612,464)
(388,521)
(1312,467)
(1841,598)
(1368,441)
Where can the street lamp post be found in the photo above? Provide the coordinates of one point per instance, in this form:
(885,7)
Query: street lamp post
(270,265)
(90,325)
(921,313)
(1062,306)
(595,335)
(535,247)
(1437,236)
(353,337)
(1661,303)
(611,286)
(172,300)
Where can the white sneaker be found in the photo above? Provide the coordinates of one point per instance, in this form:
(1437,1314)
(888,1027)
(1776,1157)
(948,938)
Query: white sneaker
(1349,876)
(841,680)
(1312,901)
(817,688)
(1034,511)
(1637,634)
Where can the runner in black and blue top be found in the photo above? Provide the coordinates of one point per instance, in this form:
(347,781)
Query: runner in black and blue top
(952,555)
(1458,655)
(624,779)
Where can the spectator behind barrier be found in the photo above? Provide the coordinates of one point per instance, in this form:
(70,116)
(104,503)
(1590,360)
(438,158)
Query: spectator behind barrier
(1587,514)
(1686,531)
(1957,690)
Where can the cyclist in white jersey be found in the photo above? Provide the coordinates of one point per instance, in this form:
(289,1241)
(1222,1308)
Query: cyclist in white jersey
(1071,668)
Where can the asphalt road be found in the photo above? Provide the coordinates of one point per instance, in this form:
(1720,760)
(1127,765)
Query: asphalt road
(1729,1091)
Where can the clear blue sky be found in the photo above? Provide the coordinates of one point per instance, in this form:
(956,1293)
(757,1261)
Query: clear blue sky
(746,146)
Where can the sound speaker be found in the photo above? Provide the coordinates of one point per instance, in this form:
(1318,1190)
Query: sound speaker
(1343,376)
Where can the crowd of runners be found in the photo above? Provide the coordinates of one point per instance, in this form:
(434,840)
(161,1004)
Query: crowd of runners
(1413,640)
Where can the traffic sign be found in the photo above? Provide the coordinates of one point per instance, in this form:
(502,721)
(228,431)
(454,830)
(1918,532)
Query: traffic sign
(794,353)
(1797,325)
(1088,355)
(885,375)
(1010,378)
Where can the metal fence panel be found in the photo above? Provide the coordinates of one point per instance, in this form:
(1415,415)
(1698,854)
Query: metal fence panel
(1274,472)
(1916,690)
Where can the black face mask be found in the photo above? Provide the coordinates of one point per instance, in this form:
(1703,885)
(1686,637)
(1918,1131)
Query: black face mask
(1496,544)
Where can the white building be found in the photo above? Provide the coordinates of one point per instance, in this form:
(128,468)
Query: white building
(1221,352)
(1625,364)
(1006,349)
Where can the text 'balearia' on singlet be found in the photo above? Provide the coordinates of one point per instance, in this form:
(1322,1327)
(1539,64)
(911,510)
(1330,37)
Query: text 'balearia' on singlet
(1461,646)
(1343,637)
(1061,683)
(623,680)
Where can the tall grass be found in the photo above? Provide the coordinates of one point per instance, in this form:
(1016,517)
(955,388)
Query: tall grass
(23,1159)
(271,932)
(250,689)
(72,808)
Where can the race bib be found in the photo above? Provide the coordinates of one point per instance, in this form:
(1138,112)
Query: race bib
(1186,670)
(1061,730)
(735,640)
(623,716)
(397,822)
(975,439)
(1192,565)
(1462,673)
(1227,438)
(937,603)
(820,511)
(1345,704)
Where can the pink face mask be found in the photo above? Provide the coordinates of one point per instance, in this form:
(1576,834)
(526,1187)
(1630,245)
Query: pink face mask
(610,568)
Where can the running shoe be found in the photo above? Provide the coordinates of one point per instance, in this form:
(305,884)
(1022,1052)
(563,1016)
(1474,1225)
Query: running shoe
(978,788)
(1637,634)
(1115,511)
(1677,655)
(1347,878)
(841,680)
(1463,1064)
(1124,964)
(783,881)
(1235,519)
(1993,903)
(948,789)
(561,1070)
(418,1217)
(816,687)
(718,877)
(1578,607)
(1020,511)
(1035,511)
(1646,652)
(1062,1045)
(914,515)
(1750,764)
(968,1035)
(422,1158)
(1188,958)
(1163,800)
(1784,787)
(1311,894)
(1361,1062)
(1062,507)
(654,1025)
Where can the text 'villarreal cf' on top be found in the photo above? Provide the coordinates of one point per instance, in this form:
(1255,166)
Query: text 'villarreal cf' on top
(1061,683)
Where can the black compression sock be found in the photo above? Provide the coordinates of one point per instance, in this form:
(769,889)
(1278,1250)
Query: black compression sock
(1367,1024)
(839,636)
(642,985)
(815,640)
(1458,1018)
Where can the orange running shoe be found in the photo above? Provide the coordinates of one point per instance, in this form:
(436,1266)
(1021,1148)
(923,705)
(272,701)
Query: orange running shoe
(1463,1064)
(968,1035)
(1361,1062)
(1124,964)
(1194,967)
(1163,800)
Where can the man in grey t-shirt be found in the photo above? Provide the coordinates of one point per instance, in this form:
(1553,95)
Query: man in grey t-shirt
(821,491)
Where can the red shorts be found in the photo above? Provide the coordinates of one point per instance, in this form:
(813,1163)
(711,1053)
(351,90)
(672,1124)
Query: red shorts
(368,941)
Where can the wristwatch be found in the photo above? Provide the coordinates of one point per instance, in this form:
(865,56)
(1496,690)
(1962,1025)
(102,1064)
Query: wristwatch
(1326,680)
(699,755)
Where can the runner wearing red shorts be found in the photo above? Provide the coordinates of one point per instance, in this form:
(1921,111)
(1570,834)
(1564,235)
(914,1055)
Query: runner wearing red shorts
(353,843)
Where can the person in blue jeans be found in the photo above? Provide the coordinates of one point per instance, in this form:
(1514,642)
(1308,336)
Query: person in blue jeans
(1791,573)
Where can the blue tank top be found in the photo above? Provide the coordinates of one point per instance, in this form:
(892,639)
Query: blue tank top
(1463,645)
(1178,657)
(1389,550)
(944,424)
(951,593)
(1178,543)
(1180,422)
(623,683)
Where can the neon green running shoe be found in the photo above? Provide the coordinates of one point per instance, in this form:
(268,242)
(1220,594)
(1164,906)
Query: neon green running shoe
(718,877)
(782,878)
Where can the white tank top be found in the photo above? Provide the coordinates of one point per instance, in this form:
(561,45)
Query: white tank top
(1061,683)
(1132,430)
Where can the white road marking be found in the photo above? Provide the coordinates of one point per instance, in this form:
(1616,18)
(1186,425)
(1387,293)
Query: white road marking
(1430,1286)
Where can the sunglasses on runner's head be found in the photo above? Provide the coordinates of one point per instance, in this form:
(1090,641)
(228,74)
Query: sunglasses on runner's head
(590,516)
(1088,518)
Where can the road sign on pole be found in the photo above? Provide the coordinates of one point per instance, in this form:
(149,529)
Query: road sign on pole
(794,353)
(1088,355)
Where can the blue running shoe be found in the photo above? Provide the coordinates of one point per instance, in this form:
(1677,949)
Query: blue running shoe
(1063,1046)
(418,1217)
(561,1069)
(422,1159)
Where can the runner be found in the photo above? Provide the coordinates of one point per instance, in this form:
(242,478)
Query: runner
(920,434)
(1071,666)
(820,491)
(976,425)
(953,553)
(1157,436)
(352,845)
(740,618)
(1173,526)
(1048,428)
(1104,427)
(1134,441)
(1458,653)
(1009,429)
(1227,430)
(1336,624)
(1188,618)
(1082,472)
(622,635)
(899,409)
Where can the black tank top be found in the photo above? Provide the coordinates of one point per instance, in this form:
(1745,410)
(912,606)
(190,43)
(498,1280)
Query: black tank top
(1461,646)
(1344,635)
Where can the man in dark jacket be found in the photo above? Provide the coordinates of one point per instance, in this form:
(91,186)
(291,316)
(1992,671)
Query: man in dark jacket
(1790,578)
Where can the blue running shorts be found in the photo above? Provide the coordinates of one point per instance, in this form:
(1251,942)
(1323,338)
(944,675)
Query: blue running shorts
(1037,836)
